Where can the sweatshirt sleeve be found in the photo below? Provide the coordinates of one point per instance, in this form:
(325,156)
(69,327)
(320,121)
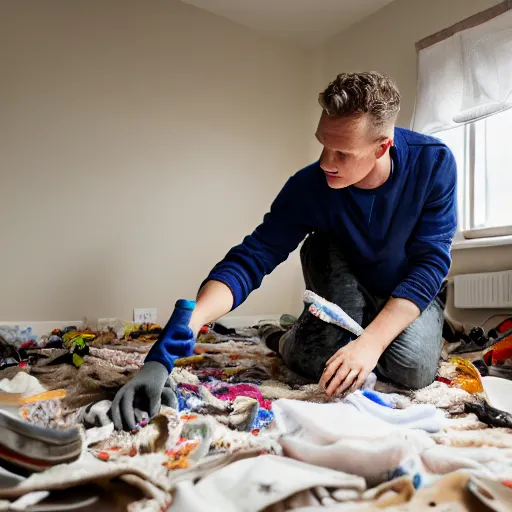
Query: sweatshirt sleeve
(429,255)
(281,231)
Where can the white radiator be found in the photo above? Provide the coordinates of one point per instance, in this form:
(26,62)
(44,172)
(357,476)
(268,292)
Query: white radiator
(487,290)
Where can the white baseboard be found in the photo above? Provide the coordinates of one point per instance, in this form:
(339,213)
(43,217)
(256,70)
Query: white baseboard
(231,322)
(236,322)
(40,328)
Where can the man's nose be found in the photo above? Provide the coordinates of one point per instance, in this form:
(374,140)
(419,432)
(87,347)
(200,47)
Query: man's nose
(327,162)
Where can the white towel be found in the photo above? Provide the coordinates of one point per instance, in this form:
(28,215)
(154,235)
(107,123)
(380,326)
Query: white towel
(253,484)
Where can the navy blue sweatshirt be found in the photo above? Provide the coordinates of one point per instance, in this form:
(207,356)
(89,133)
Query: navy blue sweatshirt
(396,238)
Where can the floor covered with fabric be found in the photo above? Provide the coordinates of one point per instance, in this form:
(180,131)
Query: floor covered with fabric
(247,435)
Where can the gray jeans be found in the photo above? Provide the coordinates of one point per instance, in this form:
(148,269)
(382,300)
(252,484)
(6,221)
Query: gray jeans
(409,361)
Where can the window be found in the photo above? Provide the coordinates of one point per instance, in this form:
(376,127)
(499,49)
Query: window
(464,97)
(484,166)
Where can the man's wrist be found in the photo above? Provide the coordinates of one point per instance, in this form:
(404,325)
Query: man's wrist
(375,342)
(196,322)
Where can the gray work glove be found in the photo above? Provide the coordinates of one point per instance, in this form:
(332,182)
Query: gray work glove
(147,391)
(169,395)
(98,414)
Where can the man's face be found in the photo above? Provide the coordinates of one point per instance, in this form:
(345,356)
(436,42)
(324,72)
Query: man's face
(350,149)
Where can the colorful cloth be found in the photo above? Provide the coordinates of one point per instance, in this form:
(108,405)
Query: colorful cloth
(222,414)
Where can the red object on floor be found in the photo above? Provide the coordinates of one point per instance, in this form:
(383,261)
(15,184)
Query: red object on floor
(505,326)
(499,352)
(104,456)
(188,417)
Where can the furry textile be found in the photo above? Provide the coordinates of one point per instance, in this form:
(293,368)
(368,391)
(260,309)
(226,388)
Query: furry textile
(98,378)
(226,393)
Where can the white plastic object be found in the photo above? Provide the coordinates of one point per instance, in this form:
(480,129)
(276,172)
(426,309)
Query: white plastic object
(331,313)
(499,392)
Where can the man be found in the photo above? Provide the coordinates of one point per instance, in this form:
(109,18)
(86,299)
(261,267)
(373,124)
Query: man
(378,213)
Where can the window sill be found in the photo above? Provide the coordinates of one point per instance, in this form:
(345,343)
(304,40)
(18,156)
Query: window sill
(472,243)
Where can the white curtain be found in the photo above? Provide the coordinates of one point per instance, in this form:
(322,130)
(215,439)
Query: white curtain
(465,77)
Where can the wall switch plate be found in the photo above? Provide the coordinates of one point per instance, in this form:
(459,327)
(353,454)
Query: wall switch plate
(144,316)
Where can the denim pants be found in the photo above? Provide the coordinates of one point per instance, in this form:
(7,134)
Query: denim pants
(410,361)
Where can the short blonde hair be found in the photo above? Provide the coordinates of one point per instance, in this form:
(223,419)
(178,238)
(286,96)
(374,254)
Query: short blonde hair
(355,94)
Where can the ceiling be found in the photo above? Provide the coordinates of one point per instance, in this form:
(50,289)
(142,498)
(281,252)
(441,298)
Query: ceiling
(307,22)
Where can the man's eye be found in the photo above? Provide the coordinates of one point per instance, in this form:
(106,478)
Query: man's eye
(341,155)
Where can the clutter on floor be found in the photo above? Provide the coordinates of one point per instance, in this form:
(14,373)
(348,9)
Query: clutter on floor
(491,353)
(244,432)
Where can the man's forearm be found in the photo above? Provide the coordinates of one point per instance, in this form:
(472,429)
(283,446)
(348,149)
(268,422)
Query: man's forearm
(394,318)
(213,301)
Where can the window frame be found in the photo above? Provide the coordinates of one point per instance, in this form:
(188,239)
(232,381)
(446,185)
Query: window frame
(466,210)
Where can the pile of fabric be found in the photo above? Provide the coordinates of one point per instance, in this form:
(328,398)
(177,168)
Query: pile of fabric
(245,434)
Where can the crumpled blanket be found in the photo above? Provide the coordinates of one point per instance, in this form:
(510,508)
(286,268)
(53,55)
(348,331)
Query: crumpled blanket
(225,394)
(256,483)
(150,459)
(443,396)
(144,473)
(98,378)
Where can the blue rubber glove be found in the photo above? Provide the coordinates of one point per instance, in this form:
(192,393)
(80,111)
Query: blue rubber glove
(150,387)
(177,339)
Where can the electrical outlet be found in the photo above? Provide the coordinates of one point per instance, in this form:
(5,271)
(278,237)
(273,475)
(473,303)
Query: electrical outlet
(144,316)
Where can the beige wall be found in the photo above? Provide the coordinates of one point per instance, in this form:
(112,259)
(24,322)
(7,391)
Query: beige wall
(139,141)
(385,42)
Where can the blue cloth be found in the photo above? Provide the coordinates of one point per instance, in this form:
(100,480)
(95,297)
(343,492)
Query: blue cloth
(188,400)
(176,339)
(263,419)
(396,238)
(377,397)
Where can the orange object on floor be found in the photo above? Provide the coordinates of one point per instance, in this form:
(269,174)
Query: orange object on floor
(467,376)
(14,399)
(499,352)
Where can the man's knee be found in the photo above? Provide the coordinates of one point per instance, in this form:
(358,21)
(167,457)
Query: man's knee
(412,359)
(418,374)
(411,362)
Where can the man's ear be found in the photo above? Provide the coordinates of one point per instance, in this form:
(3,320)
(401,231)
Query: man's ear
(384,145)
